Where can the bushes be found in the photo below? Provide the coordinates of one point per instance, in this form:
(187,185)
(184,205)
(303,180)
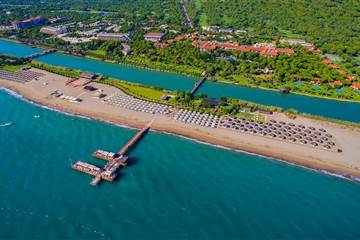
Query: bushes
(57,70)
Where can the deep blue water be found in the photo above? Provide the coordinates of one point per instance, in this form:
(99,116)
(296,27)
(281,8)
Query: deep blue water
(173,187)
(348,111)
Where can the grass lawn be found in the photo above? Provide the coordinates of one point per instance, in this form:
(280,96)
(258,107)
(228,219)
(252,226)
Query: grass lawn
(203,17)
(137,90)
(12,68)
(251,116)
(99,52)
(242,80)
(333,57)
(290,34)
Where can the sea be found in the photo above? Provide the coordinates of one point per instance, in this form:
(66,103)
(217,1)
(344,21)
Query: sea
(173,188)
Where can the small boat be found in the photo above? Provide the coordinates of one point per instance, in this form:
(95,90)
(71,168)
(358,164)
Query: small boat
(37,116)
(6,124)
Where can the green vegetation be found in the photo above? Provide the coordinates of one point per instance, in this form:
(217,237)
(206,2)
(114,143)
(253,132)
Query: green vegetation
(199,103)
(10,63)
(67,72)
(334,26)
(12,68)
(139,91)
(96,53)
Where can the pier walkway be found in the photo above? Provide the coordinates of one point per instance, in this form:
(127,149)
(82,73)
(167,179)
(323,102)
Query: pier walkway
(114,160)
(197,85)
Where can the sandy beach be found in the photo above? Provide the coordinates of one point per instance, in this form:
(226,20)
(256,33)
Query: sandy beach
(347,138)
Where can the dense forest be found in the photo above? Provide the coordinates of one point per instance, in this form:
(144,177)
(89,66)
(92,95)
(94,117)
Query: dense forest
(162,10)
(333,25)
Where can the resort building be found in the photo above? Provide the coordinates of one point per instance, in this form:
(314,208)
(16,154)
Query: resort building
(356,86)
(160,45)
(205,46)
(336,83)
(114,37)
(126,49)
(29,23)
(57,20)
(153,37)
(87,75)
(54,30)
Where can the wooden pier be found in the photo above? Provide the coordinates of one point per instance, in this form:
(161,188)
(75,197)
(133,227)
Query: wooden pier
(114,160)
(134,140)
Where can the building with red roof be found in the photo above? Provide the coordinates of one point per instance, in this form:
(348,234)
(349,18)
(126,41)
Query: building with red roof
(316,81)
(350,78)
(160,45)
(336,83)
(314,50)
(28,23)
(326,61)
(341,71)
(286,51)
(356,86)
(205,46)
(334,66)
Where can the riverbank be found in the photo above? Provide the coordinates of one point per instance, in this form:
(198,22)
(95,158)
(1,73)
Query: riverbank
(346,137)
(148,67)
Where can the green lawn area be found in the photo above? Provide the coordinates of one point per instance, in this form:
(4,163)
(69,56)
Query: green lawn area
(98,52)
(290,34)
(12,68)
(242,80)
(333,57)
(137,90)
(203,17)
(251,116)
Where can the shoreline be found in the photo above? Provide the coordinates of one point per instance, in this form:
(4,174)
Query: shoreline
(87,56)
(222,138)
(340,175)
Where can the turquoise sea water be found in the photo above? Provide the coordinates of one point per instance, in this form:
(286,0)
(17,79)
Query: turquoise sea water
(322,107)
(173,187)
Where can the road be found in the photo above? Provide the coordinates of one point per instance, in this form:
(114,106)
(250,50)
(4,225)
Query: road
(186,15)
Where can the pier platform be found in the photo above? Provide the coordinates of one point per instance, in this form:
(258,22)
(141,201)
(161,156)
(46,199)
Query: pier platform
(114,160)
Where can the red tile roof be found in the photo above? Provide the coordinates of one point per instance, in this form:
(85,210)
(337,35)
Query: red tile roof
(334,66)
(350,78)
(337,83)
(356,86)
(316,80)
(205,45)
(326,61)
(341,71)
(161,45)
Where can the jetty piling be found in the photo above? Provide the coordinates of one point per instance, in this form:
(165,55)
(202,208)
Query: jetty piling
(114,160)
